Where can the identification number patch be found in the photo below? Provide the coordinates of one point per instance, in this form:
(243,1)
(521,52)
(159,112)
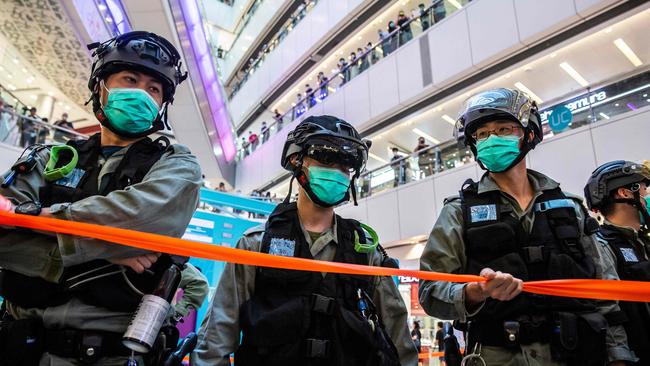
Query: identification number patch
(629,255)
(72,179)
(483,213)
(282,247)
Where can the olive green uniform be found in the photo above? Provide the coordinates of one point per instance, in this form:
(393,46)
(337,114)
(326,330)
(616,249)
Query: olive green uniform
(445,252)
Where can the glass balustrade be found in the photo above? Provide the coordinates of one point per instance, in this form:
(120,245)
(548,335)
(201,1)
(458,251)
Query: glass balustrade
(20,130)
(403,31)
(595,106)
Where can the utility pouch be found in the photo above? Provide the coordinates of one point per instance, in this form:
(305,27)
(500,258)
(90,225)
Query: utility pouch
(21,342)
(579,339)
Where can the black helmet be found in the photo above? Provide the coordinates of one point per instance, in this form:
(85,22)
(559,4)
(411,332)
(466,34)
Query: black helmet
(141,51)
(611,176)
(496,104)
(326,139)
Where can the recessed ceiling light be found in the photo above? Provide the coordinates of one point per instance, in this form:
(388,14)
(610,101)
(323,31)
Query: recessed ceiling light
(608,30)
(16,61)
(616,105)
(428,137)
(604,115)
(645,95)
(553,55)
(108,20)
(627,51)
(449,119)
(507,76)
(574,74)
(519,85)
(101,7)
(24,70)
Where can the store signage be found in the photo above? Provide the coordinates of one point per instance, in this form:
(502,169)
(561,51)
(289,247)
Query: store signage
(560,118)
(575,105)
(408,279)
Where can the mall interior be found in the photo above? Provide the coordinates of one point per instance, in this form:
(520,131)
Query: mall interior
(397,70)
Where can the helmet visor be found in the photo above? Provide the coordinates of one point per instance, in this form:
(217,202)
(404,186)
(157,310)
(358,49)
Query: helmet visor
(330,150)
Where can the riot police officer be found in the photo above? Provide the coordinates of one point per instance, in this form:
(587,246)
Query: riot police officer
(69,299)
(618,191)
(310,318)
(516,225)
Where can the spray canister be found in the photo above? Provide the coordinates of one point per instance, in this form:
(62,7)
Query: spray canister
(141,334)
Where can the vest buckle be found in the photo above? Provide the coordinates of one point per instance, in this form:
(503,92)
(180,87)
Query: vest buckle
(322,304)
(318,348)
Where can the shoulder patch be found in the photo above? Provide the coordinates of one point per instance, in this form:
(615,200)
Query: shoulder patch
(482,213)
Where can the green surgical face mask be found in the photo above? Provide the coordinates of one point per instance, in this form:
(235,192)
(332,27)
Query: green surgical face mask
(130,110)
(498,152)
(328,184)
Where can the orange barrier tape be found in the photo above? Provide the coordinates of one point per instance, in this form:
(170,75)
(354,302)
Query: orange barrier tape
(592,289)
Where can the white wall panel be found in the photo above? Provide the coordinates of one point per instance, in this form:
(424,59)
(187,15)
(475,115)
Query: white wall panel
(450,58)
(538,19)
(353,212)
(567,158)
(382,211)
(352,4)
(588,7)
(409,71)
(334,104)
(287,47)
(337,10)
(492,29)
(357,100)
(384,93)
(448,184)
(417,208)
(320,21)
(613,141)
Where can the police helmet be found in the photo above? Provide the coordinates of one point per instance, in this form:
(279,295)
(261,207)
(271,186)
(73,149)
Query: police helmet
(140,51)
(328,140)
(611,176)
(499,104)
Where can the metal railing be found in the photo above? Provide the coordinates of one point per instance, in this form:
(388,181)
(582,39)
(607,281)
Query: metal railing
(22,131)
(352,67)
(255,63)
(452,154)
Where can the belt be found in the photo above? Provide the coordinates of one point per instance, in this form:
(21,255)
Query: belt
(87,346)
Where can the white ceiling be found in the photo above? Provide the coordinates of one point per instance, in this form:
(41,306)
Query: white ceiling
(41,54)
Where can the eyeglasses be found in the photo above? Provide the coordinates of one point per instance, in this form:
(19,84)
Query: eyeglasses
(500,131)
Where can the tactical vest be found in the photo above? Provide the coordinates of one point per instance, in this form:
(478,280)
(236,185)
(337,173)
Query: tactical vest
(631,264)
(495,238)
(97,282)
(303,318)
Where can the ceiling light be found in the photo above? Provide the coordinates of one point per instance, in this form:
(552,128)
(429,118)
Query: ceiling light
(101,7)
(645,95)
(449,119)
(574,74)
(455,3)
(67,108)
(604,115)
(507,76)
(608,30)
(553,55)
(627,51)
(24,70)
(418,132)
(108,20)
(50,93)
(525,89)
(378,158)
(15,61)
(616,105)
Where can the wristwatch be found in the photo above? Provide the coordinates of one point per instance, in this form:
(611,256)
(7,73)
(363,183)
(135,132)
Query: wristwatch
(29,208)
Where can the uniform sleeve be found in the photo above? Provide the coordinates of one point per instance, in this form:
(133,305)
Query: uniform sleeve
(219,334)
(445,252)
(616,338)
(25,186)
(394,316)
(195,289)
(163,203)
